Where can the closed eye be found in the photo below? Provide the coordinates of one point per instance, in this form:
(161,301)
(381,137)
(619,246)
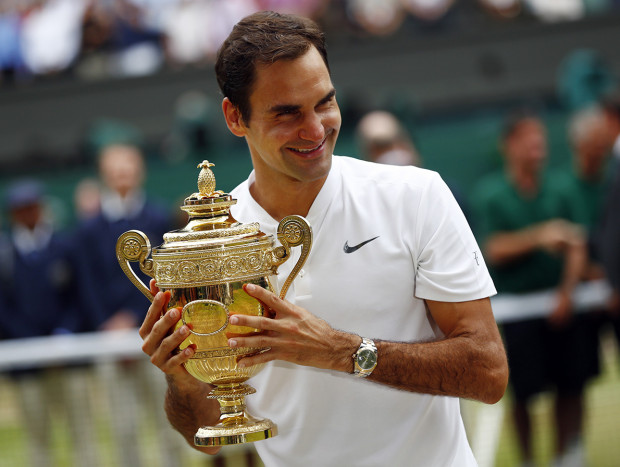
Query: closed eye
(328,99)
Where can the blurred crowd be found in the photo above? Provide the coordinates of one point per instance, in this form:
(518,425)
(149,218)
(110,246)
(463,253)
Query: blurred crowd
(95,39)
(56,282)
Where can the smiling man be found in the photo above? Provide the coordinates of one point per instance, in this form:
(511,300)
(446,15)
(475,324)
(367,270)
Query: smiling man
(393,260)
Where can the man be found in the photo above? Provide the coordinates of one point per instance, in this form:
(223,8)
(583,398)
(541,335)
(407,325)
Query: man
(122,205)
(583,188)
(43,294)
(410,276)
(609,229)
(382,138)
(130,385)
(531,248)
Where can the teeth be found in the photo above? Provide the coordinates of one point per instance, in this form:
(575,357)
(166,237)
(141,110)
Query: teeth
(306,151)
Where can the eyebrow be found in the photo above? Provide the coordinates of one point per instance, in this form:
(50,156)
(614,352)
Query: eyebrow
(292,108)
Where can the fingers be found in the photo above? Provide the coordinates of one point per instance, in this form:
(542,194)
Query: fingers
(161,344)
(275,310)
(161,331)
(262,357)
(160,301)
(160,340)
(270,301)
(153,286)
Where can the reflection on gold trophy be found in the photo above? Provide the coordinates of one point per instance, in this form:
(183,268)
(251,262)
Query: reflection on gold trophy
(204,266)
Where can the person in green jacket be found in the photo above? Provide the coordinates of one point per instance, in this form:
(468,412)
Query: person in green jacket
(529,247)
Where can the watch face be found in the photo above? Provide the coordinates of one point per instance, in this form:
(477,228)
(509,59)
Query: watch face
(366,359)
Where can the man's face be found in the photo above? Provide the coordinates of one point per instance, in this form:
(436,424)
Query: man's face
(121,169)
(28,216)
(294,120)
(527,146)
(592,151)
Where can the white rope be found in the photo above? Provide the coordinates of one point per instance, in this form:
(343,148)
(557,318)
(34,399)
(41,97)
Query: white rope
(70,348)
(515,307)
(115,345)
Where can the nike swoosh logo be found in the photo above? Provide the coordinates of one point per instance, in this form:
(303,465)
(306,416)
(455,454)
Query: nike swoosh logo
(351,249)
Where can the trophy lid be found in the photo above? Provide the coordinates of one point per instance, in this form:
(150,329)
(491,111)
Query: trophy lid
(210,222)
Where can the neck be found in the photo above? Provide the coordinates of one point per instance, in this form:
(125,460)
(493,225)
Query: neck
(526,182)
(285,199)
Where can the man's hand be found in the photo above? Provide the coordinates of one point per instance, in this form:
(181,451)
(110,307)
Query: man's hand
(186,404)
(563,311)
(293,334)
(160,339)
(556,235)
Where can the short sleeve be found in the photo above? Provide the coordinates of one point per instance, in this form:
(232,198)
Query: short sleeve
(449,263)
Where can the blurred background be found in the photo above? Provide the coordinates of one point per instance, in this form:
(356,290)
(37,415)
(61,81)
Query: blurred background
(119,96)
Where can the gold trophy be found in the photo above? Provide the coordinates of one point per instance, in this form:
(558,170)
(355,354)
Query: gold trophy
(204,266)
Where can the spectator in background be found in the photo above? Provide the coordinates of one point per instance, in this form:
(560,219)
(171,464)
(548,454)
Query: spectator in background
(51,35)
(124,206)
(583,188)
(611,109)
(87,199)
(383,139)
(586,181)
(130,385)
(42,294)
(135,43)
(609,235)
(529,248)
(11,60)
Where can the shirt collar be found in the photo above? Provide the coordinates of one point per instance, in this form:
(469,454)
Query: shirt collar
(115,208)
(317,211)
(27,241)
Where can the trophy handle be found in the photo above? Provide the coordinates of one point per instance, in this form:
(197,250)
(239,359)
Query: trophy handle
(293,231)
(133,245)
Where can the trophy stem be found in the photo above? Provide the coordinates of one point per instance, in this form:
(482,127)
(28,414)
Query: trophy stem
(236,425)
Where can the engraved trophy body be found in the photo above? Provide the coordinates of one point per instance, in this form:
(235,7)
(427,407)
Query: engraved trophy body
(204,266)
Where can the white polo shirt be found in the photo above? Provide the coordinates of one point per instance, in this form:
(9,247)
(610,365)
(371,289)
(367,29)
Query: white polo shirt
(413,244)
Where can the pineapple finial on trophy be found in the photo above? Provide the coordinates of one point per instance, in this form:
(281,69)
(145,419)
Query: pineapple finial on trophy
(206,182)
(206,179)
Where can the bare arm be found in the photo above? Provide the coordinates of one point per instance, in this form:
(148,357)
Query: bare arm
(187,406)
(555,236)
(575,262)
(469,362)
(552,236)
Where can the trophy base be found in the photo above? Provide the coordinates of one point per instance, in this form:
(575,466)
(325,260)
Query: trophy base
(248,431)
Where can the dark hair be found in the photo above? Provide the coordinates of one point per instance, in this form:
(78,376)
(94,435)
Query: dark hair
(262,38)
(514,119)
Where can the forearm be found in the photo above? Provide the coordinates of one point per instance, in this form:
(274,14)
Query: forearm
(469,362)
(458,367)
(506,246)
(575,263)
(188,408)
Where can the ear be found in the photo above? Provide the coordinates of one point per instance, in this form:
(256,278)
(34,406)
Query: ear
(233,118)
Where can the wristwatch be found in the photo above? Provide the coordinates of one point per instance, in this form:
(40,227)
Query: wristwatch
(365,359)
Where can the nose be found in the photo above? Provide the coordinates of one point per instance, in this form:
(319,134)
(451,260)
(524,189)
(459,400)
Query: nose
(312,128)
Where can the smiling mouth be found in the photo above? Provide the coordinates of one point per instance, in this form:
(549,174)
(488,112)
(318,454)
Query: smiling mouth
(309,151)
